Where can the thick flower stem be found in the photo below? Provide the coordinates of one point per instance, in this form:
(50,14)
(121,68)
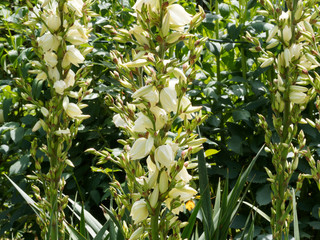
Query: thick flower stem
(155,223)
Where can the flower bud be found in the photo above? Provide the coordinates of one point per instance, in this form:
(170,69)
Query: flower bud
(272,33)
(267,63)
(163,182)
(44,111)
(154,197)
(136,63)
(37,126)
(286,34)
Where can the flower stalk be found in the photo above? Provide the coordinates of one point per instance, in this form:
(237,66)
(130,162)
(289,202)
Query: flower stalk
(293,61)
(159,83)
(57,41)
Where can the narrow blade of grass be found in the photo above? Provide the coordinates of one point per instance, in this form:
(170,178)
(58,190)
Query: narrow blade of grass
(295,217)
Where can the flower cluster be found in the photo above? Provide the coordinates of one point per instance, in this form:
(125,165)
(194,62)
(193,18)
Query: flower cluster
(160,120)
(291,50)
(59,32)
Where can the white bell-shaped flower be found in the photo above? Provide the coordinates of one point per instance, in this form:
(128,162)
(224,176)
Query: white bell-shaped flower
(161,116)
(141,148)
(164,155)
(178,17)
(73,55)
(48,42)
(59,87)
(70,78)
(184,193)
(50,58)
(142,123)
(76,34)
(118,121)
(139,211)
(168,99)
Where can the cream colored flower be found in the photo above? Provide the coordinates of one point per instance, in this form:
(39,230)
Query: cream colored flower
(139,211)
(183,175)
(53,21)
(118,121)
(59,87)
(73,55)
(168,99)
(51,59)
(160,115)
(154,4)
(49,42)
(178,17)
(184,193)
(69,80)
(73,109)
(76,34)
(54,74)
(141,148)
(142,123)
(164,155)
(75,6)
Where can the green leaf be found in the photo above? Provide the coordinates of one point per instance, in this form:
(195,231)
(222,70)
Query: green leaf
(103,233)
(214,47)
(17,134)
(6,108)
(263,195)
(37,88)
(224,10)
(295,217)
(20,166)
(241,114)
(73,233)
(28,199)
(211,152)
(121,235)
(93,226)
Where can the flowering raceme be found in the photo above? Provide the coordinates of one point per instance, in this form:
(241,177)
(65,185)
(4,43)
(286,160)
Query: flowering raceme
(158,84)
(58,42)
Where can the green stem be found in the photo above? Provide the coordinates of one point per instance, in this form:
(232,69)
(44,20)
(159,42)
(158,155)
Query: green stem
(155,223)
